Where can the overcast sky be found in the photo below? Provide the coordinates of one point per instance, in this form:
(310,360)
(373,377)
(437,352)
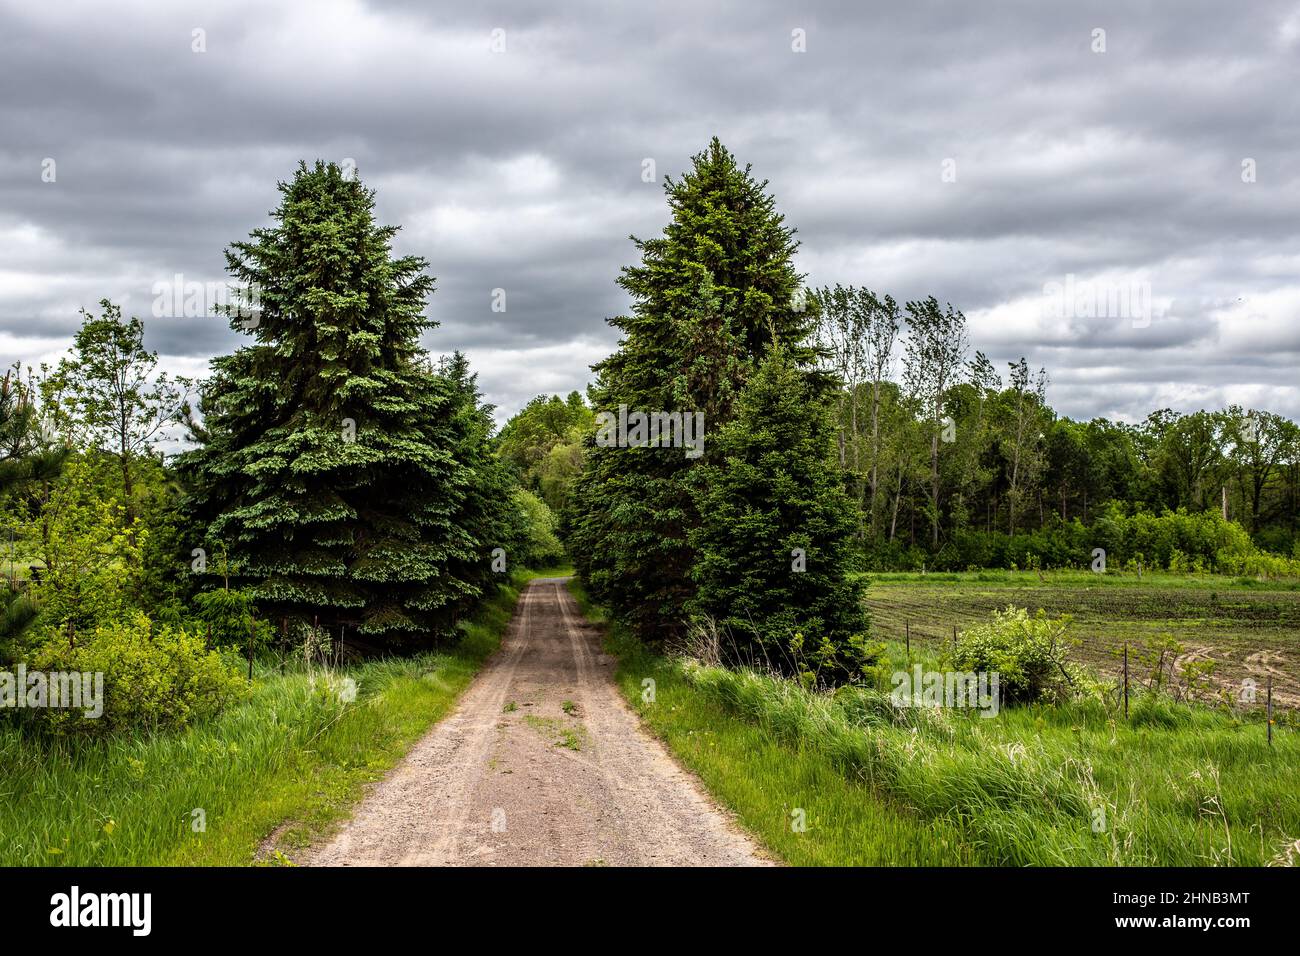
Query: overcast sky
(981,155)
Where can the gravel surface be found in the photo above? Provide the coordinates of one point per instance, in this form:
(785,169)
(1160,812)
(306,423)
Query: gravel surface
(541,764)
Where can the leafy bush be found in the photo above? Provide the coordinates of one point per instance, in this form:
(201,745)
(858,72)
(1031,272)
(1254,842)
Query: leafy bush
(89,555)
(1257,565)
(1028,654)
(896,556)
(1279,541)
(825,663)
(153,679)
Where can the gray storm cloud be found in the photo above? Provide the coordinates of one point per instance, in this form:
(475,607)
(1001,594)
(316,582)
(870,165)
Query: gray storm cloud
(521,170)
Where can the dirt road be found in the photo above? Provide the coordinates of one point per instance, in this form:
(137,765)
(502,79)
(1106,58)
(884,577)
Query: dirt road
(541,764)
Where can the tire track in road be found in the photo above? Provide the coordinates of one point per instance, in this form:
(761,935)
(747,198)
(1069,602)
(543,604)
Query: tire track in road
(542,763)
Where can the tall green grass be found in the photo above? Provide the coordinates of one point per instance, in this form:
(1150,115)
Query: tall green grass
(791,794)
(289,761)
(1034,786)
(1069,785)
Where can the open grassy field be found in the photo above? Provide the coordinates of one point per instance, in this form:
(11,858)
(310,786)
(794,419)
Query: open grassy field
(1249,628)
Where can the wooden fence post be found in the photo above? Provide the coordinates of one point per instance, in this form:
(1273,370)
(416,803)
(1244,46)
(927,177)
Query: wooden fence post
(251,626)
(907,636)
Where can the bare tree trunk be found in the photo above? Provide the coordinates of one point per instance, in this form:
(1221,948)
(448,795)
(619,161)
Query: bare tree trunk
(124,453)
(934,488)
(898,496)
(875,450)
(1013,495)
(853,416)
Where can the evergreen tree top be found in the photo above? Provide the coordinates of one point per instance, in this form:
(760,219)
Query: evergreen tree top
(328,260)
(335,307)
(709,292)
(724,223)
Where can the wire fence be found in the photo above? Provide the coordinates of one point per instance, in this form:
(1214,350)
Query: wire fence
(1262,648)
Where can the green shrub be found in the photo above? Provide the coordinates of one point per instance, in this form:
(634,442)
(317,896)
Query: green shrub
(1181,542)
(89,556)
(821,662)
(153,679)
(1257,565)
(1027,653)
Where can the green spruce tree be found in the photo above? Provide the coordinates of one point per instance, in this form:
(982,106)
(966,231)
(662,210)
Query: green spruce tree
(706,296)
(486,512)
(773,548)
(338,465)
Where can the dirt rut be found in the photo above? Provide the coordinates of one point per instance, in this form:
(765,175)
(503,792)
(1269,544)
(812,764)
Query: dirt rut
(542,763)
